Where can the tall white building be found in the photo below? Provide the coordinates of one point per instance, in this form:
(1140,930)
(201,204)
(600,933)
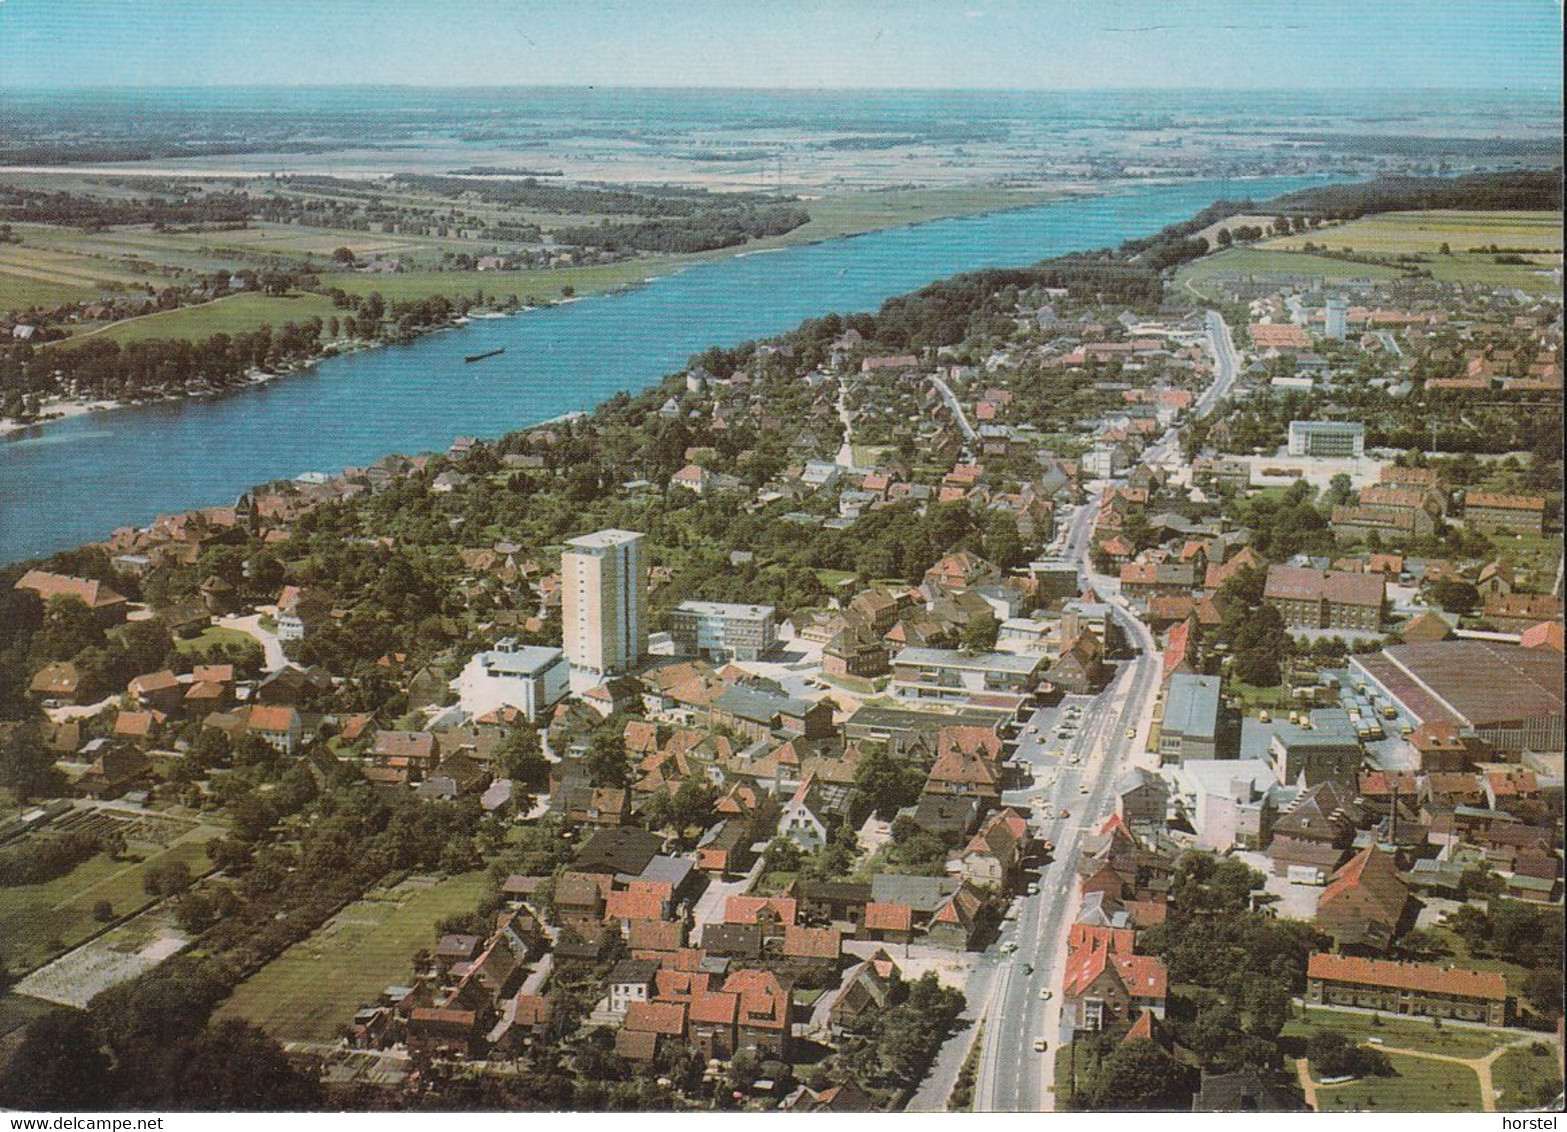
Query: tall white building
(602,578)
(1337,314)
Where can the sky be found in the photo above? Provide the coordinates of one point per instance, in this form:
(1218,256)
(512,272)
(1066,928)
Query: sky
(935,44)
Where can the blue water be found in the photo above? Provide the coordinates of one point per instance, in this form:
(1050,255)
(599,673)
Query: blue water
(74,481)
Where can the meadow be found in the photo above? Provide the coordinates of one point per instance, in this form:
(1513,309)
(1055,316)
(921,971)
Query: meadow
(312,990)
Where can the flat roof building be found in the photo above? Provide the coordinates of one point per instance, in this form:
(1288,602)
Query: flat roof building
(1505,694)
(529,678)
(1191,719)
(723,630)
(1327,438)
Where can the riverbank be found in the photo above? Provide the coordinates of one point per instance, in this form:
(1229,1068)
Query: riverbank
(91,475)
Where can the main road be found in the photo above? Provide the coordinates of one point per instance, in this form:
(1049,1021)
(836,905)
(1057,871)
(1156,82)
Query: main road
(1072,795)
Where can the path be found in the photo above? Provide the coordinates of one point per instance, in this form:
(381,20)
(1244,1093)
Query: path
(271,644)
(1480,1065)
(1307,1085)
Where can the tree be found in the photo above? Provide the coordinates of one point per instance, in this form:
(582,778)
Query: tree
(884,785)
(1339,489)
(521,757)
(344,256)
(606,761)
(167,880)
(1334,1055)
(1224,237)
(59,1064)
(980,633)
(1543,989)
(1455,596)
(1139,1076)
(103,911)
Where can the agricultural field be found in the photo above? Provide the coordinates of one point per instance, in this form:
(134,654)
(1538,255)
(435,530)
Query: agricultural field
(1536,236)
(1266,261)
(40,921)
(1395,233)
(40,276)
(310,991)
(232,314)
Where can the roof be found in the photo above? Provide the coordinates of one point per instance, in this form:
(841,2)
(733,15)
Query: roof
(94,594)
(812,943)
(1340,587)
(1482,683)
(888,917)
(1422,977)
(601,540)
(760,707)
(657,1018)
(1192,705)
(271,717)
(748,909)
(1504,502)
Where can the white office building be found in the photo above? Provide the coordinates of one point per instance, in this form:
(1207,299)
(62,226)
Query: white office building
(526,677)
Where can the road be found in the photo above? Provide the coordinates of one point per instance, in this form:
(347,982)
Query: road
(957,409)
(1226,365)
(1072,772)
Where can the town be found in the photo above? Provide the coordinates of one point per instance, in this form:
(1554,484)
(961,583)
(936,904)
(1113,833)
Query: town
(1069,688)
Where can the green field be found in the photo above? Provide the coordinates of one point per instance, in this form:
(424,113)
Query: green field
(1424,233)
(541,283)
(1409,1033)
(1417,1085)
(17,1010)
(1263,261)
(1396,232)
(231,315)
(310,991)
(40,921)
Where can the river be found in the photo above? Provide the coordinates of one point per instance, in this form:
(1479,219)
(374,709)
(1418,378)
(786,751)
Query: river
(75,480)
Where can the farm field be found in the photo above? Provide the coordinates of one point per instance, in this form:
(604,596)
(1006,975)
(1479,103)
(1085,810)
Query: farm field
(1263,261)
(40,921)
(543,283)
(231,315)
(1395,232)
(313,988)
(1424,233)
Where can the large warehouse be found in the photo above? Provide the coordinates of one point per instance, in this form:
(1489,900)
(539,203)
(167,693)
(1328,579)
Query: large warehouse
(1508,695)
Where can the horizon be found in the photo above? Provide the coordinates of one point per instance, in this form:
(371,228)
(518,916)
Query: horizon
(1056,46)
(1543,93)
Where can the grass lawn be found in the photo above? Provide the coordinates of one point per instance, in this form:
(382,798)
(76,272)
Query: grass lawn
(1538,554)
(231,315)
(1409,1033)
(1253,698)
(313,988)
(41,921)
(215,635)
(1527,1077)
(1417,1085)
(832,578)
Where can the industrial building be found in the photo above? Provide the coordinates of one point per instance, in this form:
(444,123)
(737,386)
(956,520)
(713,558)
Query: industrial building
(1507,695)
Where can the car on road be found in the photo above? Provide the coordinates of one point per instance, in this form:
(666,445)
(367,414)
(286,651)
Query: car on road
(1131,732)
(1009,947)
(1033,890)
(1028,968)
(1083,789)
(1044,994)
(1066,813)
(1040,1045)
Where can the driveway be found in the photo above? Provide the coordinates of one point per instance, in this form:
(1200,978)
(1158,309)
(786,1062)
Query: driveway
(271,645)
